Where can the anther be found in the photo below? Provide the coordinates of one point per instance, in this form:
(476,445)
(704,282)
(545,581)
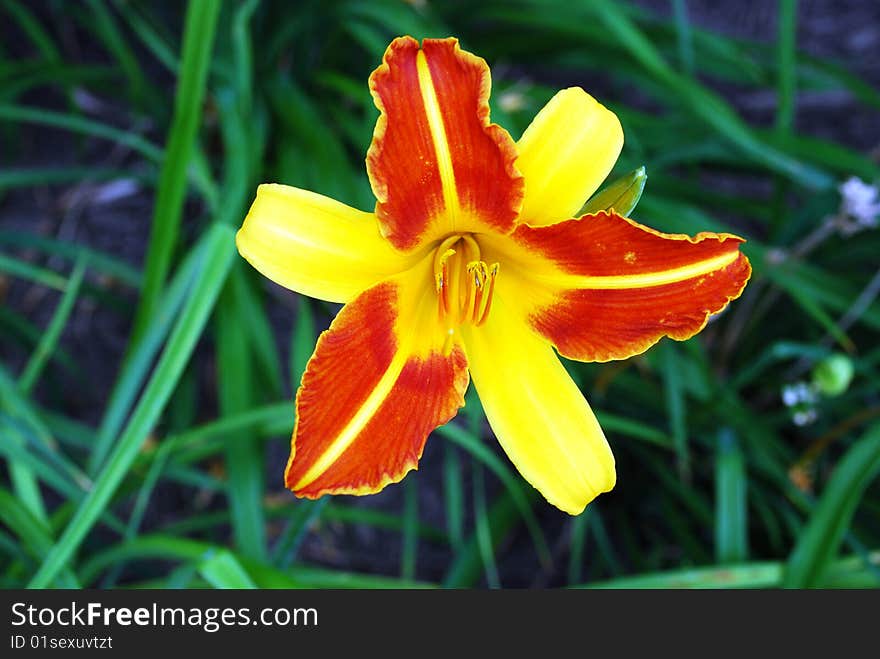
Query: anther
(464,283)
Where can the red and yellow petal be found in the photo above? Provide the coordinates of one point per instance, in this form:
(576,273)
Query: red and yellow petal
(604,287)
(536,411)
(378,383)
(437,165)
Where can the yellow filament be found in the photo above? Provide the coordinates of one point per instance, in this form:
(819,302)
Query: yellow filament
(486,301)
(464,283)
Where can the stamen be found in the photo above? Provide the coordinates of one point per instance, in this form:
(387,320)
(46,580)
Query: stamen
(441,277)
(464,283)
(475,270)
(453,290)
(486,302)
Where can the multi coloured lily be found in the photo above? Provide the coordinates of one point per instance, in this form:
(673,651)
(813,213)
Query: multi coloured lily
(474,263)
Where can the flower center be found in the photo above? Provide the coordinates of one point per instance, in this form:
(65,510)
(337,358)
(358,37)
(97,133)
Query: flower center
(463,282)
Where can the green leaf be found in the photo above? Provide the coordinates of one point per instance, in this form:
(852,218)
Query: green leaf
(622,194)
(32,28)
(483,530)
(577,540)
(675,405)
(198,41)
(32,532)
(453,496)
(820,541)
(731,512)
(786,61)
(49,341)
(136,368)
(410,536)
(301,519)
(846,573)
(244,457)
(219,253)
(221,569)
(511,482)
(80,125)
(100,21)
(25,270)
(263,575)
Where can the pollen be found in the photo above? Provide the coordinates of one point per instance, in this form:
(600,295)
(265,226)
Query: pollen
(630,257)
(464,283)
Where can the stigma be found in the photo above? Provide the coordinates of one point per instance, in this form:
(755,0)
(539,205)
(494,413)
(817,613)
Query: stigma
(464,283)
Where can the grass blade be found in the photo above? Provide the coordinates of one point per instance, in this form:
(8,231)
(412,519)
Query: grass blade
(32,28)
(93,259)
(467,567)
(25,270)
(218,258)
(198,41)
(577,540)
(684,36)
(410,536)
(49,340)
(305,513)
(483,532)
(32,532)
(787,65)
(820,541)
(104,25)
(222,570)
(511,482)
(846,573)
(77,124)
(731,520)
(137,366)
(244,459)
(453,496)
(675,406)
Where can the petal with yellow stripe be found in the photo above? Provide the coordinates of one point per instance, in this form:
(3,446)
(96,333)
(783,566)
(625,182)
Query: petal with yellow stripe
(565,154)
(604,287)
(315,245)
(537,412)
(378,383)
(436,164)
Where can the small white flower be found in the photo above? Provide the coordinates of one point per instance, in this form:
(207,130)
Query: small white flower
(860,201)
(804,417)
(789,396)
(797,393)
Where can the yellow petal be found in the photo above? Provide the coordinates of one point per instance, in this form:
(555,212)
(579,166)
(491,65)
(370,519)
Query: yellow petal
(537,412)
(565,154)
(315,245)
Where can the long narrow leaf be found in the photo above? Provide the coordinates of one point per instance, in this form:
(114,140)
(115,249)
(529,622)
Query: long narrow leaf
(218,258)
(198,42)
(821,539)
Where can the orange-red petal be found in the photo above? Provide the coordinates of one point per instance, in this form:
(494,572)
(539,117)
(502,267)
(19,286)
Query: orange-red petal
(604,287)
(377,385)
(437,165)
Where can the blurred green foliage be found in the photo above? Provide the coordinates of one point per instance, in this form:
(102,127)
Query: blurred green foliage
(721,482)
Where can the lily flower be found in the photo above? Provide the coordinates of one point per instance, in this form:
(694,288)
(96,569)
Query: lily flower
(474,264)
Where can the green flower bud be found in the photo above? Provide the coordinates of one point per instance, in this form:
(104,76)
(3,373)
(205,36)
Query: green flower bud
(622,195)
(833,374)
